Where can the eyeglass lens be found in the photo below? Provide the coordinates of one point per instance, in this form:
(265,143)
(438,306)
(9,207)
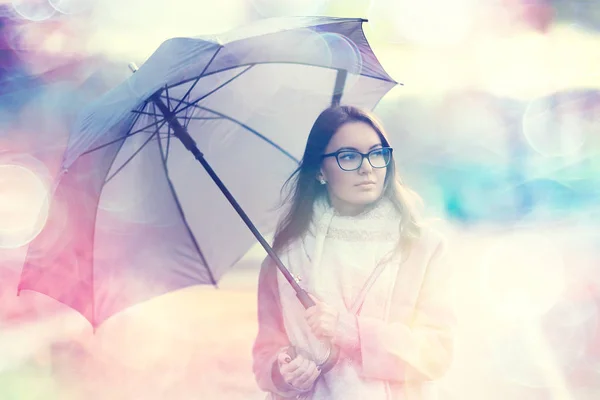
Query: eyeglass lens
(351,160)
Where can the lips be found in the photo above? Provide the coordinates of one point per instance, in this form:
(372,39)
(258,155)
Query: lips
(367,183)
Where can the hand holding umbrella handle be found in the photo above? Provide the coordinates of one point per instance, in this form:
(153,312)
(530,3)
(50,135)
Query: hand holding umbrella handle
(334,351)
(332,358)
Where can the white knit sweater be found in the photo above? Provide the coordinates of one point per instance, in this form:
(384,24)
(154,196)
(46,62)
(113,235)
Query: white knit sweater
(333,261)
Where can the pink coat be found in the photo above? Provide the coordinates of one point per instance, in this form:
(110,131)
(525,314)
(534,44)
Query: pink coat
(410,351)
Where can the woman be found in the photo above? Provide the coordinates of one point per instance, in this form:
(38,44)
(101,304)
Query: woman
(353,241)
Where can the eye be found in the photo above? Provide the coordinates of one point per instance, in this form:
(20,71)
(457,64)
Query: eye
(377,153)
(348,156)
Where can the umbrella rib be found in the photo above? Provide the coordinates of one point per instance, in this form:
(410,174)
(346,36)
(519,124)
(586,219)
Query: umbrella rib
(187,116)
(114,157)
(196,118)
(168,97)
(134,154)
(166,154)
(338,89)
(125,136)
(187,226)
(248,128)
(188,104)
(198,79)
(251,130)
(273,62)
(203,118)
(147,126)
(154,114)
(162,154)
(107,144)
(118,139)
(168,143)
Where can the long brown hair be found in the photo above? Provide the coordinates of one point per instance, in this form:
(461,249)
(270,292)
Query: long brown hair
(303,188)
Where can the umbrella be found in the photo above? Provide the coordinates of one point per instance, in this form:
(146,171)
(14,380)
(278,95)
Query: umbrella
(130,216)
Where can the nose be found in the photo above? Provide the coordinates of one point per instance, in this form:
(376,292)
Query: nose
(365,167)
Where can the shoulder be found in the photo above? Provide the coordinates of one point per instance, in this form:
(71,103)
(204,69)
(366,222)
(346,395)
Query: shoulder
(268,266)
(437,263)
(266,262)
(268,271)
(431,241)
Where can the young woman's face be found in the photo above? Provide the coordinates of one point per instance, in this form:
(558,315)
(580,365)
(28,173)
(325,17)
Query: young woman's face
(350,191)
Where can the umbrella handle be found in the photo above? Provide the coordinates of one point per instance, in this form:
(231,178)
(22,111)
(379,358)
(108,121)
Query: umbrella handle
(304,298)
(332,358)
(334,351)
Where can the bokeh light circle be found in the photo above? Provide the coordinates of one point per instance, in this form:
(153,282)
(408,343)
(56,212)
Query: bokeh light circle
(70,7)
(561,124)
(24,205)
(278,8)
(33,10)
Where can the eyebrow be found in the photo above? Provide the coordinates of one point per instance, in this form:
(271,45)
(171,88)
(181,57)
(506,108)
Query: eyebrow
(355,149)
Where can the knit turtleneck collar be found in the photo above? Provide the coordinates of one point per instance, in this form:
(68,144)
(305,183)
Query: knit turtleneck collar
(378,221)
(379,208)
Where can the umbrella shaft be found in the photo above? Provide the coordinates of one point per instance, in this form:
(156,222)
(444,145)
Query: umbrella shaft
(182,134)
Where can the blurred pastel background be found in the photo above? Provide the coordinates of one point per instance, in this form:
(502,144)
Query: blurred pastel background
(497,126)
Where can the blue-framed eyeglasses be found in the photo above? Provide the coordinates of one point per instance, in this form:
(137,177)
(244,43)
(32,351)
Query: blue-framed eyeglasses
(351,160)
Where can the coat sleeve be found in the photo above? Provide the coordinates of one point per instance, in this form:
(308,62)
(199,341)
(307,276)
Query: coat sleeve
(420,349)
(271,338)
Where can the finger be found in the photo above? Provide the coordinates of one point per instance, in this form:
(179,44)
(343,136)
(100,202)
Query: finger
(318,332)
(325,334)
(314,375)
(299,375)
(315,322)
(315,327)
(314,372)
(283,358)
(310,371)
(310,313)
(328,308)
(327,328)
(291,376)
(312,320)
(311,310)
(292,366)
(328,313)
(314,312)
(307,378)
(319,315)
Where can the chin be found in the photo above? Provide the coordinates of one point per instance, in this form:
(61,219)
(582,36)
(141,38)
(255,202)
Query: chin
(364,199)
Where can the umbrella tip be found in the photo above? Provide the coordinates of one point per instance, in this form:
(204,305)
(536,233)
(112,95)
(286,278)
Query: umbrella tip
(133,67)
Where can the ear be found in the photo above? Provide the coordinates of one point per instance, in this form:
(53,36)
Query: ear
(321,175)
